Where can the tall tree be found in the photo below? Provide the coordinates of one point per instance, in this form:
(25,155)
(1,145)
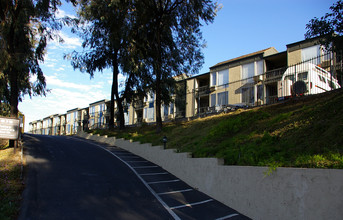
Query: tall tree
(105,29)
(169,34)
(25,27)
(329,27)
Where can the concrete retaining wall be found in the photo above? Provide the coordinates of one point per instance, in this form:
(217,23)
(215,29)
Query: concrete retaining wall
(288,193)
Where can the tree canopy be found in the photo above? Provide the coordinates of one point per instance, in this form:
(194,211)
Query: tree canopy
(329,27)
(148,41)
(25,28)
(170,39)
(105,29)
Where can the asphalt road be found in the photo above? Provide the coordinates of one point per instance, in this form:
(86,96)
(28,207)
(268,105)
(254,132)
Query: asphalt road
(72,178)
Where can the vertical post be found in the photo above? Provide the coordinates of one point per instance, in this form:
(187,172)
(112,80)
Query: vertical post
(164,142)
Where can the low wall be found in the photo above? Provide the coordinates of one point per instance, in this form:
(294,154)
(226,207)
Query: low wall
(288,193)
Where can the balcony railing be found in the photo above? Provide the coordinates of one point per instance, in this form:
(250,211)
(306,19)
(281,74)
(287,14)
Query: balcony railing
(274,75)
(203,91)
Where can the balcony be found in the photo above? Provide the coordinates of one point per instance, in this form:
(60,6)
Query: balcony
(203,91)
(274,75)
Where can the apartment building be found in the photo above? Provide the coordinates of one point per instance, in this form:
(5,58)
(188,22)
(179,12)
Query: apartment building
(72,121)
(249,80)
(63,123)
(231,82)
(39,127)
(98,114)
(47,125)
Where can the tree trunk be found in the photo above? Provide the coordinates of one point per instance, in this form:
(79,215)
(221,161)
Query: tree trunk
(158,107)
(115,94)
(14,100)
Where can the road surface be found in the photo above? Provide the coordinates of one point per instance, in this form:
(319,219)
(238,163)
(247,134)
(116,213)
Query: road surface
(73,178)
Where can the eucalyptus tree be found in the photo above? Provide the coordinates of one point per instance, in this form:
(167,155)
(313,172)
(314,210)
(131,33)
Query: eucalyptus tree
(105,28)
(329,27)
(25,27)
(168,33)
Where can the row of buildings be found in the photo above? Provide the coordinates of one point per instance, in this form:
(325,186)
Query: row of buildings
(253,79)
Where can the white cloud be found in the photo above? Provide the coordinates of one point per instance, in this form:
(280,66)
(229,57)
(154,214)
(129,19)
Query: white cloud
(70,42)
(61,14)
(53,80)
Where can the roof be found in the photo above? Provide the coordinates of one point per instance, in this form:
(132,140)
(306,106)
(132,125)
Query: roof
(98,102)
(315,39)
(72,110)
(242,57)
(197,75)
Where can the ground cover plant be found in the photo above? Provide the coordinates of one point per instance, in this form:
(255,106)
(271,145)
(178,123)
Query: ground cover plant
(11,185)
(301,132)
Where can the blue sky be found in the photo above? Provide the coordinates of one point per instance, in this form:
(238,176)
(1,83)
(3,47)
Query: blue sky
(241,27)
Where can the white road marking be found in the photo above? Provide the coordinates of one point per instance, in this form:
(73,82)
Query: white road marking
(191,204)
(178,191)
(227,217)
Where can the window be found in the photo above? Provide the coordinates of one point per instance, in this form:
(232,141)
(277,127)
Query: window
(310,53)
(259,67)
(151,104)
(68,117)
(145,113)
(223,77)
(150,113)
(172,108)
(126,118)
(213,79)
(248,71)
(213,100)
(302,76)
(92,111)
(248,95)
(165,110)
(223,98)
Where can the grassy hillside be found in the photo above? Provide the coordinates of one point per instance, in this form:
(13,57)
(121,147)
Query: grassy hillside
(303,132)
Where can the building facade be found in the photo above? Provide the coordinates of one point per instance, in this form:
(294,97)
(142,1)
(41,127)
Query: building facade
(253,79)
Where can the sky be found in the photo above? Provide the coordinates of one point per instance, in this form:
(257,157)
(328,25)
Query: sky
(240,27)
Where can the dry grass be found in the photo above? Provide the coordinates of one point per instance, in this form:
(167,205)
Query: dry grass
(11,186)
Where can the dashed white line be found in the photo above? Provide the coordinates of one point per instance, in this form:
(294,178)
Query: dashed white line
(191,204)
(165,181)
(178,191)
(227,217)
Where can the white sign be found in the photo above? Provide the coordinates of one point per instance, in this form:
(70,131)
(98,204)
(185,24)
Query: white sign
(9,128)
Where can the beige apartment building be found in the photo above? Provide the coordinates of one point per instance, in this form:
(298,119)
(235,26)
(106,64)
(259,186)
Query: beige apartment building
(72,121)
(249,80)
(231,82)
(98,114)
